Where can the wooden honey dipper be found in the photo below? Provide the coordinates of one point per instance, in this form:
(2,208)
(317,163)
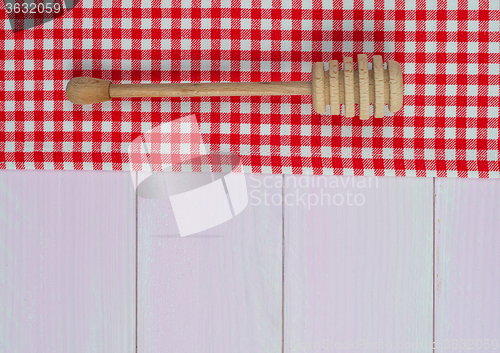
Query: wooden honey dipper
(363,87)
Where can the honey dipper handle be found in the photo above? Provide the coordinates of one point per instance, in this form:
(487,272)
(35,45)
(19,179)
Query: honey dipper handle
(210,89)
(83,90)
(86,90)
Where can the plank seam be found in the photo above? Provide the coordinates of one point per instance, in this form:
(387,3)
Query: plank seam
(433,262)
(283,265)
(136,261)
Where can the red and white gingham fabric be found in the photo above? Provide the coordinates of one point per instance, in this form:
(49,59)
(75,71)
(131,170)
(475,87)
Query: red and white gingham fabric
(449,52)
(178,146)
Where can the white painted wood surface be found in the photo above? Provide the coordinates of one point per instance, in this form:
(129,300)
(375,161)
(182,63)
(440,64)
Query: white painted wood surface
(215,291)
(358,276)
(467,265)
(67,262)
(353,274)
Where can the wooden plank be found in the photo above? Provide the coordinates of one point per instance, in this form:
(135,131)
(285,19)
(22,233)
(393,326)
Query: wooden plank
(358,263)
(219,290)
(467,265)
(67,261)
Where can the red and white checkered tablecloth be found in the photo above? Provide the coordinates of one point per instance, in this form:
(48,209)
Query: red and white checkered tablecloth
(449,52)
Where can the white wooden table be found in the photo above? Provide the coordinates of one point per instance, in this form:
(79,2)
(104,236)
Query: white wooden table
(390,264)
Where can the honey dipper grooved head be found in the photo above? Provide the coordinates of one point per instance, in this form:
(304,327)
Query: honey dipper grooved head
(377,86)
